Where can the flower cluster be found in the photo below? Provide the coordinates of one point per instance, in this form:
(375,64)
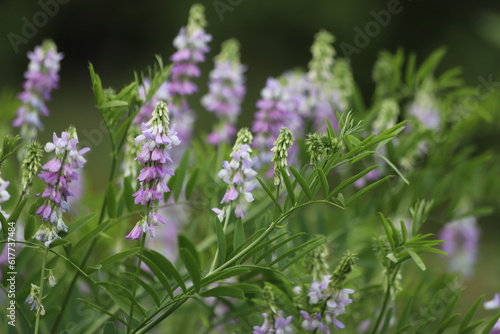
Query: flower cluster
(4,194)
(238,175)
(148,106)
(461,238)
(322,97)
(34,299)
(42,77)
(157,139)
(280,149)
(334,301)
(191,44)
(321,145)
(31,164)
(424,108)
(58,174)
(226,91)
(281,325)
(275,111)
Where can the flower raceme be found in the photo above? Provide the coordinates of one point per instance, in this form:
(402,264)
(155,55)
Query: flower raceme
(192,45)
(226,92)
(42,77)
(238,175)
(57,174)
(157,138)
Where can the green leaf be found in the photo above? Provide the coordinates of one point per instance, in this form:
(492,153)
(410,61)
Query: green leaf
(91,235)
(79,223)
(146,286)
(111,200)
(96,85)
(404,231)
(165,266)
(58,242)
(184,242)
(269,193)
(472,327)
(341,199)
(221,242)
(468,316)
(405,315)
(122,129)
(446,323)
(410,70)
(278,245)
(118,257)
(366,189)
(227,273)
(224,291)
(350,181)
(306,248)
(109,328)
(123,298)
(180,174)
(302,182)
(17,210)
(29,227)
(324,182)
(113,104)
(128,191)
(297,249)
(395,169)
(239,234)
(104,311)
(289,187)
(192,267)
(5,226)
(191,183)
(489,326)
(259,247)
(430,64)
(158,274)
(417,259)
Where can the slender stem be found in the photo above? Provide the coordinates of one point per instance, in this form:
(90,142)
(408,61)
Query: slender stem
(385,302)
(87,255)
(149,323)
(40,293)
(134,286)
(227,213)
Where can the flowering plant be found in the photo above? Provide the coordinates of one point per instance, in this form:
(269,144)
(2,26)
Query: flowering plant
(311,219)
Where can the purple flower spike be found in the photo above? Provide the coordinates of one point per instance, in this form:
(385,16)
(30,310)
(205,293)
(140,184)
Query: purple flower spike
(42,77)
(238,175)
(277,108)
(226,92)
(157,138)
(461,239)
(192,45)
(58,174)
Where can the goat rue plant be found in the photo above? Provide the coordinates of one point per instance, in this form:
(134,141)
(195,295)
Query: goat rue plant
(310,219)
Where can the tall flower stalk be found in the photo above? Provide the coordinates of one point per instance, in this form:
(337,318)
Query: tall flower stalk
(157,139)
(191,44)
(57,174)
(239,176)
(41,77)
(226,92)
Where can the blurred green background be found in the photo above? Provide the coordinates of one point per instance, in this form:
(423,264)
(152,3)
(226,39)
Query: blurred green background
(120,37)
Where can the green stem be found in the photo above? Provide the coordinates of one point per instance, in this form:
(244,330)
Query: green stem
(40,295)
(87,255)
(227,213)
(149,323)
(134,286)
(390,281)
